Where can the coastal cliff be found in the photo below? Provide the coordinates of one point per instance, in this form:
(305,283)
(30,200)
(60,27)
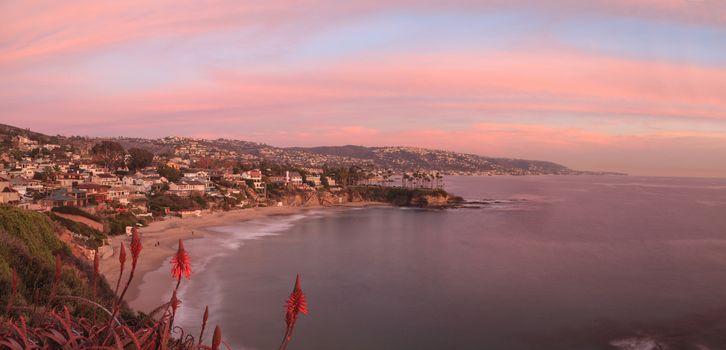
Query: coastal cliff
(402,197)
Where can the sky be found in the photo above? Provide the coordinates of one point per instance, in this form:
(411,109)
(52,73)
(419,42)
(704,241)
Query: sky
(637,86)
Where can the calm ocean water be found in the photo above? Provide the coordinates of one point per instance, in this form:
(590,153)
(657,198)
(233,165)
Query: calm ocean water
(552,263)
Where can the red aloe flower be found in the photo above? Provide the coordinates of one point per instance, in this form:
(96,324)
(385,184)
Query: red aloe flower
(180,264)
(135,247)
(96,262)
(122,256)
(216,338)
(122,262)
(204,323)
(295,304)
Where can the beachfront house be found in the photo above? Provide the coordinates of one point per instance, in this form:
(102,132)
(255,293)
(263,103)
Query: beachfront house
(186,187)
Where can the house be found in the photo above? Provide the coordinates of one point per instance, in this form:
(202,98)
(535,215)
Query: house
(105,179)
(294,178)
(27,172)
(98,192)
(173,164)
(228,176)
(254,175)
(120,194)
(139,183)
(7,194)
(67,197)
(201,176)
(331,181)
(69,179)
(277,179)
(23,186)
(153,179)
(314,179)
(198,175)
(185,187)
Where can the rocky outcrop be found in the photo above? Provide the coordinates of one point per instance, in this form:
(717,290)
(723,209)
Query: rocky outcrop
(430,201)
(422,198)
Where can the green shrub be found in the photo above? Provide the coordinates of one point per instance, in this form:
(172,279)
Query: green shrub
(117,224)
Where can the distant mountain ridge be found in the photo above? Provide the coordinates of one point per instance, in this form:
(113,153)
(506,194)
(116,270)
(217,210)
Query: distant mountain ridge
(394,158)
(413,157)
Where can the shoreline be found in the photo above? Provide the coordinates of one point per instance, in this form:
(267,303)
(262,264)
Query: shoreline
(169,231)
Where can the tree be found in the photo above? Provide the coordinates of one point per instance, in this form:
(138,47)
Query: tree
(139,158)
(109,153)
(169,173)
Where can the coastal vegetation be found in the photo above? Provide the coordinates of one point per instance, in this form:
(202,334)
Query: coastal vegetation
(159,203)
(50,299)
(29,248)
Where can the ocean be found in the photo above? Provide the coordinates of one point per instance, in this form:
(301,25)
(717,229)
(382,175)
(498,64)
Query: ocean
(548,262)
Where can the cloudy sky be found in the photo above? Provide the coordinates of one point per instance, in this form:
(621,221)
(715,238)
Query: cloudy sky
(626,85)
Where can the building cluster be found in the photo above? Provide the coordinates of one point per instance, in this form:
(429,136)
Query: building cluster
(40,181)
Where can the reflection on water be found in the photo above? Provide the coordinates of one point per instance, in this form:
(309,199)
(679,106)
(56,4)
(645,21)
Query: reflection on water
(550,263)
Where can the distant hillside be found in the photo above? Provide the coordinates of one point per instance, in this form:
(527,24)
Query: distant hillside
(342,151)
(393,158)
(10,131)
(405,158)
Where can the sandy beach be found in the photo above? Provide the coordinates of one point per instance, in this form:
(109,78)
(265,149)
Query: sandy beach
(168,232)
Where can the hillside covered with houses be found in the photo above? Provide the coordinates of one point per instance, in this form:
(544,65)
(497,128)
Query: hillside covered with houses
(92,188)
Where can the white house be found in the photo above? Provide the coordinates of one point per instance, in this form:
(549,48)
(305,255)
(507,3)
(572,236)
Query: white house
(186,187)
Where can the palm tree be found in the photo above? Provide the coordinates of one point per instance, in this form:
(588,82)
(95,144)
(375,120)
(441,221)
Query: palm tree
(439,180)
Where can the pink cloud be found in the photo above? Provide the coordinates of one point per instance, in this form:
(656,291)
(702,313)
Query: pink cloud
(47,29)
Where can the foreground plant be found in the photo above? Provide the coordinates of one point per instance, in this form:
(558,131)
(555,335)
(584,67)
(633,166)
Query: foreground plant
(295,305)
(54,325)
